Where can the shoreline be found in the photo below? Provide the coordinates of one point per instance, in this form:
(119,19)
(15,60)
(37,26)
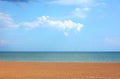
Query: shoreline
(102,62)
(59,70)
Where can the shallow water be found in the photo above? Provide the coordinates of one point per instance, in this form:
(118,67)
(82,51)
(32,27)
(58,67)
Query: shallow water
(60,56)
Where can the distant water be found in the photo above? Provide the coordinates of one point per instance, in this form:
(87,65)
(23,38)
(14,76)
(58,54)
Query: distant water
(60,56)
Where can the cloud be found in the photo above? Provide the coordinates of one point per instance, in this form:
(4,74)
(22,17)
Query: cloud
(66,34)
(80,12)
(17,0)
(3,42)
(7,21)
(65,25)
(114,41)
(82,6)
(73,2)
(36,23)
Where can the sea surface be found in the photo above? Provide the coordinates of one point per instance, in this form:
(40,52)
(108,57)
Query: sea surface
(60,56)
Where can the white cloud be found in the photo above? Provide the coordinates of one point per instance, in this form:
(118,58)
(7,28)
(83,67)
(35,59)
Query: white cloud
(66,24)
(114,41)
(80,12)
(36,23)
(41,21)
(7,21)
(66,34)
(84,6)
(73,2)
(101,4)
(3,42)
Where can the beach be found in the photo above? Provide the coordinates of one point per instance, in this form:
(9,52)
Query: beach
(59,70)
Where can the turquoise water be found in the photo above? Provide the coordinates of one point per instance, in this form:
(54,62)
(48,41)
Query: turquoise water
(60,56)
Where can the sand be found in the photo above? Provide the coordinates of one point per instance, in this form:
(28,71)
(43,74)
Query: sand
(44,70)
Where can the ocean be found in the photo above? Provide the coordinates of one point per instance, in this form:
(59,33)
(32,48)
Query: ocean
(60,56)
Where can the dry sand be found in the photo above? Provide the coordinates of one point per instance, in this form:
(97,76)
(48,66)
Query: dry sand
(42,70)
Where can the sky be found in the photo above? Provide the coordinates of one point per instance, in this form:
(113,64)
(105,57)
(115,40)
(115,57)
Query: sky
(59,25)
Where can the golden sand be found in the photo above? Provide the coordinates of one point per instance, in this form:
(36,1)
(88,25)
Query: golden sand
(44,70)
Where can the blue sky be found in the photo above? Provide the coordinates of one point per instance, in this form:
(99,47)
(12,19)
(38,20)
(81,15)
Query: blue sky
(59,25)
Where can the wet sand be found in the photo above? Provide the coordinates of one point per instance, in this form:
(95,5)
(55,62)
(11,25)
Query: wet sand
(44,70)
